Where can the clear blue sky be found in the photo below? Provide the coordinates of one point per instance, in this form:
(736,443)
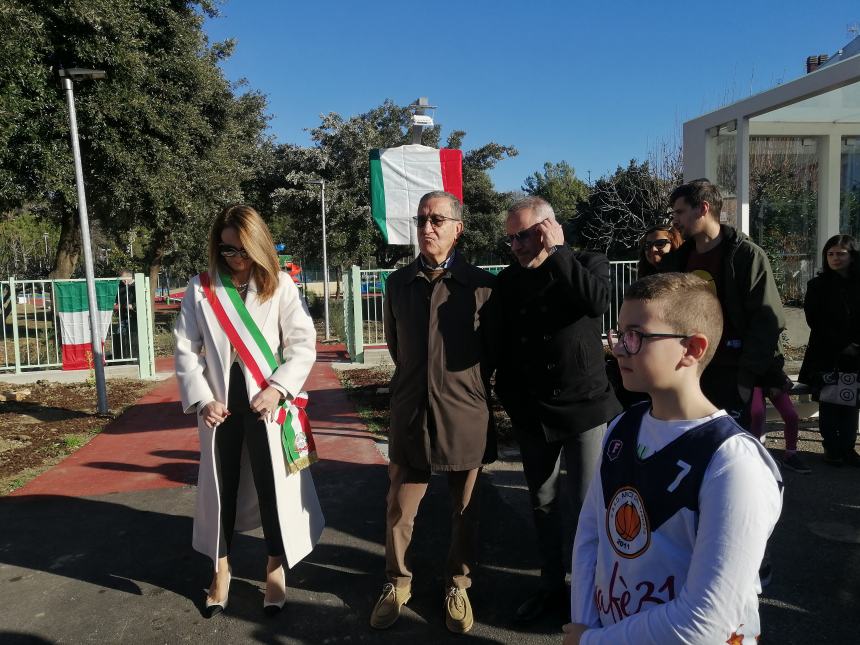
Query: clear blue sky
(595,84)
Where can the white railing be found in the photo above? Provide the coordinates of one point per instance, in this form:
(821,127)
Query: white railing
(622,273)
(31,338)
(371,288)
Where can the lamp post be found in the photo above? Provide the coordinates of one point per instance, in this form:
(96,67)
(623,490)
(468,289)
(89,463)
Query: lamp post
(67,78)
(321,183)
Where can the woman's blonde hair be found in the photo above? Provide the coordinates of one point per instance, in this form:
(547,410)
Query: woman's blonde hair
(257,242)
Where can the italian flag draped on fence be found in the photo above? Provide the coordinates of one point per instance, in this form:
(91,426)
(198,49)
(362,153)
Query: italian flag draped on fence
(400,176)
(73,308)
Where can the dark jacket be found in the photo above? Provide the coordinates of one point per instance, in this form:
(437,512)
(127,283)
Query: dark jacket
(750,300)
(550,366)
(439,335)
(832,308)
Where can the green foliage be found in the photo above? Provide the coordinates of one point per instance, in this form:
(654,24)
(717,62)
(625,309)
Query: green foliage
(165,139)
(22,245)
(559,185)
(73,442)
(783,210)
(483,207)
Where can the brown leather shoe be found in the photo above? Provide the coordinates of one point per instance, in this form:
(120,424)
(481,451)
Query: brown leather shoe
(458,611)
(386,611)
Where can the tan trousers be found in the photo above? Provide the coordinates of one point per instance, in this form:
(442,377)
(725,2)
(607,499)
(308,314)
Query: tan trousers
(405,493)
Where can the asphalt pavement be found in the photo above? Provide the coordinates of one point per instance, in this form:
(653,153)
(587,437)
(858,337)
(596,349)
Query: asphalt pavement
(98,549)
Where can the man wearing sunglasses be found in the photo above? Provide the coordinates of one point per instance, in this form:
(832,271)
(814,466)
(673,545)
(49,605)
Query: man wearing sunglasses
(551,379)
(438,327)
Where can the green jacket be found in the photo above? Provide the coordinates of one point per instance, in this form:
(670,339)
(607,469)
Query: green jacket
(750,300)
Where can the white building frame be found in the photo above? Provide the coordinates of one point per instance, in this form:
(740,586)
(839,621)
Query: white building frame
(822,104)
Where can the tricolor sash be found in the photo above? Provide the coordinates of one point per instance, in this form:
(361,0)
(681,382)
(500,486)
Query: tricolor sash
(248,341)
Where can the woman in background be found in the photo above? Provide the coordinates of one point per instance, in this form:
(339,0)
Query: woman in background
(832,307)
(657,241)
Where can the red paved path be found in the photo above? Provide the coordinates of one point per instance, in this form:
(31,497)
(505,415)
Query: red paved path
(153,445)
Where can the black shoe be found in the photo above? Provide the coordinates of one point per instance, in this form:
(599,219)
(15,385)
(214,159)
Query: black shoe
(796,463)
(851,458)
(543,602)
(214,607)
(832,459)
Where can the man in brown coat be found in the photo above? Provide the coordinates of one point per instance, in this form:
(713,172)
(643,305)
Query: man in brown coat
(438,329)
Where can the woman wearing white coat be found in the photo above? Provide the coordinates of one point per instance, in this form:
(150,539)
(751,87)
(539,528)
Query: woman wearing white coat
(244,480)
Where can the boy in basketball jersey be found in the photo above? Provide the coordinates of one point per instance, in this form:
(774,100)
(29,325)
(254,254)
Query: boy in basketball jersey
(676,519)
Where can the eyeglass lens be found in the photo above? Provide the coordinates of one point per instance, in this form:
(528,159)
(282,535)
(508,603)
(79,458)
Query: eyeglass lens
(657,244)
(520,237)
(231,251)
(435,220)
(631,340)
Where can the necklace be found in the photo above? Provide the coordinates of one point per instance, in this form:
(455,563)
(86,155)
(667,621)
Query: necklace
(241,287)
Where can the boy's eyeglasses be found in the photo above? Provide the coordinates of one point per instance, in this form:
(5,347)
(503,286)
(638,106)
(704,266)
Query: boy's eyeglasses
(436,221)
(837,254)
(228,251)
(657,244)
(520,237)
(631,340)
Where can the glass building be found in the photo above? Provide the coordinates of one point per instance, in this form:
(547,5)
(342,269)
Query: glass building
(788,163)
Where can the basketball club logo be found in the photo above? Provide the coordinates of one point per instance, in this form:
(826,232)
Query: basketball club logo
(627,523)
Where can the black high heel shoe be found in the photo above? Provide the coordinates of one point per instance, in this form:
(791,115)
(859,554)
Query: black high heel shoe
(213,608)
(273,607)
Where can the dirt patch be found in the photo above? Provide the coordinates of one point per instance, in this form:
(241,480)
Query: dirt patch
(368,389)
(53,421)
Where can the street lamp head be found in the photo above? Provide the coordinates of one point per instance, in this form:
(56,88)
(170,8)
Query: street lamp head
(78,73)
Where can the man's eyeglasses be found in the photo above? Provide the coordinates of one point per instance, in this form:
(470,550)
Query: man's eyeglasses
(657,244)
(631,340)
(520,237)
(437,221)
(837,254)
(228,251)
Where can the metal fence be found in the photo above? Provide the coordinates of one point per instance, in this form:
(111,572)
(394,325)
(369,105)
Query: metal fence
(364,298)
(31,337)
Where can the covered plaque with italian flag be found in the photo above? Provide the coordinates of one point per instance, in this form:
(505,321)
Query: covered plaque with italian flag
(73,311)
(400,176)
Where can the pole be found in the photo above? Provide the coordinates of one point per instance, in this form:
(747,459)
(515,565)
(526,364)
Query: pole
(95,322)
(325,263)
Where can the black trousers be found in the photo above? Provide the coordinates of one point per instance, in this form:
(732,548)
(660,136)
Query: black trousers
(838,427)
(720,385)
(245,426)
(542,469)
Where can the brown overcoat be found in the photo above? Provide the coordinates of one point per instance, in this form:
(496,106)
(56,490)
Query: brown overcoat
(440,335)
